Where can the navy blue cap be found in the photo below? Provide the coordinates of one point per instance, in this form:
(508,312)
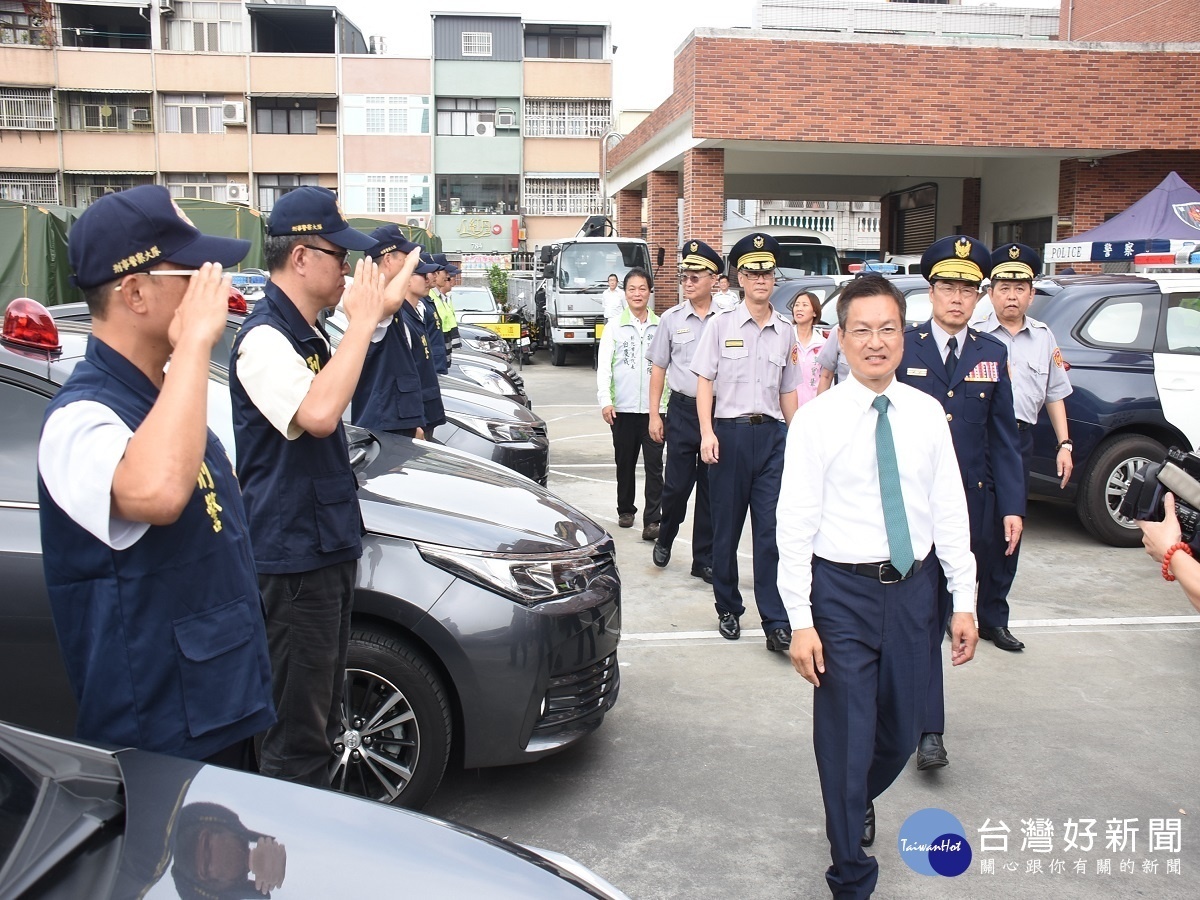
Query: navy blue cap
(390,239)
(755,253)
(1015,262)
(134,230)
(956,258)
(452,270)
(428,265)
(314,210)
(697,256)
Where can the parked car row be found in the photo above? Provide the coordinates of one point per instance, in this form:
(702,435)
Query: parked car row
(487,610)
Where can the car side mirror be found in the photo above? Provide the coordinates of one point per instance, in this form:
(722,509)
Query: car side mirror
(662,255)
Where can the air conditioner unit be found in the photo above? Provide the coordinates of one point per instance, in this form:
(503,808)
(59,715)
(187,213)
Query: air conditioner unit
(236,192)
(233,113)
(140,117)
(415,221)
(506,118)
(485,129)
(166,7)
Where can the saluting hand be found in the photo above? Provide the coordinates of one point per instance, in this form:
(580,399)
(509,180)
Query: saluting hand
(394,292)
(201,314)
(807,653)
(364,300)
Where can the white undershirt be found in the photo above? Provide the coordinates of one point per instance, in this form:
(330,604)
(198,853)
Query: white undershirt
(275,377)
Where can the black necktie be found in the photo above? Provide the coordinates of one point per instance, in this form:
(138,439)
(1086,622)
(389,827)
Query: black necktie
(951,358)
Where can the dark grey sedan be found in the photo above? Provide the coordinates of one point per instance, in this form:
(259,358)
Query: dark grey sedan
(486,613)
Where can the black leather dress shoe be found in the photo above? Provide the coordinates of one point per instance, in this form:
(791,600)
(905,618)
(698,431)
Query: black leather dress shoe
(729,626)
(704,572)
(931,752)
(662,555)
(1001,637)
(868,837)
(779,640)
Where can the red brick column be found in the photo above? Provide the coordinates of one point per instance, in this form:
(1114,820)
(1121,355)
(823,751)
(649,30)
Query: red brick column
(704,195)
(628,209)
(970,209)
(662,193)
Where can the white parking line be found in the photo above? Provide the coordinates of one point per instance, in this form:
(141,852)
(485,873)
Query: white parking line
(1188,622)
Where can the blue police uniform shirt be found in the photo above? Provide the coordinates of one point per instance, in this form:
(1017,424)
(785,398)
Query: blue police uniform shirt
(164,641)
(437,338)
(422,351)
(301,495)
(979,407)
(388,394)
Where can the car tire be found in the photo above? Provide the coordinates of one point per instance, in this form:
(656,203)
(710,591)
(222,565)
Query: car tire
(377,756)
(558,354)
(1100,489)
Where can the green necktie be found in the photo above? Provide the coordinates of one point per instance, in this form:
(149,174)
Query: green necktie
(899,540)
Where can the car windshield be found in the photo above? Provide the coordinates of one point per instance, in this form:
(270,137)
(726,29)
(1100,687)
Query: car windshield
(473,299)
(808,259)
(584,266)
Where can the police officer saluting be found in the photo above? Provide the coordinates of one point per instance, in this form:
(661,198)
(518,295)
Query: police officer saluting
(144,539)
(746,392)
(967,373)
(670,355)
(1039,379)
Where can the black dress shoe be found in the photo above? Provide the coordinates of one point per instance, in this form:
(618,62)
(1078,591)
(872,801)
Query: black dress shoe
(650,532)
(779,640)
(662,555)
(868,837)
(729,626)
(625,520)
(1001,637)
(704,572)
(931,752)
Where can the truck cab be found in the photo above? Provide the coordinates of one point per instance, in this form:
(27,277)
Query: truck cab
(573,279)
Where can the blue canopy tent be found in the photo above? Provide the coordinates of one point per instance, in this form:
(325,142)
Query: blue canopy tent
(1166,220)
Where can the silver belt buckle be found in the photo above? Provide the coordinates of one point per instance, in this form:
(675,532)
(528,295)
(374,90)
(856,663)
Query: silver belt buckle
(886,571)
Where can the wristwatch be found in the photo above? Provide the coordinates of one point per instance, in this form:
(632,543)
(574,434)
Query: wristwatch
(1068,444)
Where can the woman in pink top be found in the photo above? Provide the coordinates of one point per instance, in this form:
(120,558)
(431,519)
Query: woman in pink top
(806,310)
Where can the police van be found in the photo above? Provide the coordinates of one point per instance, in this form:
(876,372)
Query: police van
(1131,345)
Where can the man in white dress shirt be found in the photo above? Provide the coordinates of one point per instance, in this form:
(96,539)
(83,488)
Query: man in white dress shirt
(870,487)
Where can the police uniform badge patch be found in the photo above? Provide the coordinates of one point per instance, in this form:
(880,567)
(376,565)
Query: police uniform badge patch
(1014,252)
(984,371)
(758,242)
(1057,357)
(962,248)
(795,354)
(732,343)
(694,247)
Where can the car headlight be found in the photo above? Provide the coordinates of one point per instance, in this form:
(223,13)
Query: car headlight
(485,346)
(485,378)
(528,580)
(571,323)
(496,430)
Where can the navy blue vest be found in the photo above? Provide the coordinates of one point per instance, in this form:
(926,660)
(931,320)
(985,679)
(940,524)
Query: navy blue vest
(431,389)
(301,496)
(388,395)
(163,642)
(437,337)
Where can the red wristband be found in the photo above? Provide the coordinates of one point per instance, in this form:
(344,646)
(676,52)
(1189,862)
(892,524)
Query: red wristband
(1166,567)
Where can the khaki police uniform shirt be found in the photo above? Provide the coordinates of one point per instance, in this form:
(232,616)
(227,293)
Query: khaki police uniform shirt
(748,366)
(1035,365)
(674,345)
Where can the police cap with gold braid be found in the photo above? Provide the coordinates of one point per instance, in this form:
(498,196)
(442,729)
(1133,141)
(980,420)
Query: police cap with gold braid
(755,253)
(1015,262)
(956,258)
(697,256)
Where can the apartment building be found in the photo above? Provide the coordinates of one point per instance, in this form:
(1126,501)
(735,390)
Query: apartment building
(492,143)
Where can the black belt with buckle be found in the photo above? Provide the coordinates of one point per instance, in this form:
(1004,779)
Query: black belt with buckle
(1023,426)
(683,398)
(755,419)
(883,572)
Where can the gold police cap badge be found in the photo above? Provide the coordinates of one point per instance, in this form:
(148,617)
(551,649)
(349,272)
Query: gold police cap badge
(962,248)
(1014,252)
(694,247)
(758,242)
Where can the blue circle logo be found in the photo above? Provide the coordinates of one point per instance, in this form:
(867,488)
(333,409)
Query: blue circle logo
(933,842)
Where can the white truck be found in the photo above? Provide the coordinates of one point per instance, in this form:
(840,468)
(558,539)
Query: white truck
(574,275)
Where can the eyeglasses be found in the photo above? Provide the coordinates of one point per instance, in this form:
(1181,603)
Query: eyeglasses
(956,289)
(692,277)
(862,335)
(188,272)
(339,255)
(757,274)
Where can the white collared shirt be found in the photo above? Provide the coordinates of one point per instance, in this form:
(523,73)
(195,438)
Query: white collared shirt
(943,339)
(829,502)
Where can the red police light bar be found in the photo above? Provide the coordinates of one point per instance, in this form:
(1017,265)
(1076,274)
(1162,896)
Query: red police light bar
(28,324)
(1154,259)
(237,302)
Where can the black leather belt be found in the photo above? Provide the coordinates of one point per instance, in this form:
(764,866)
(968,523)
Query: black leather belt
(755,419)
(1023,426)
(883,572)
(683,398)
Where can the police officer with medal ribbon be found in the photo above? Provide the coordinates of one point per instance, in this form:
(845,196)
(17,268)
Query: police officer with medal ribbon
(670,355)
(746,393)
(149,568)
(967,372)
(1039,378)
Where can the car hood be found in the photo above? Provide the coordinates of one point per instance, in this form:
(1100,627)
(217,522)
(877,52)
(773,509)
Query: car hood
(466,398)
(431,494)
